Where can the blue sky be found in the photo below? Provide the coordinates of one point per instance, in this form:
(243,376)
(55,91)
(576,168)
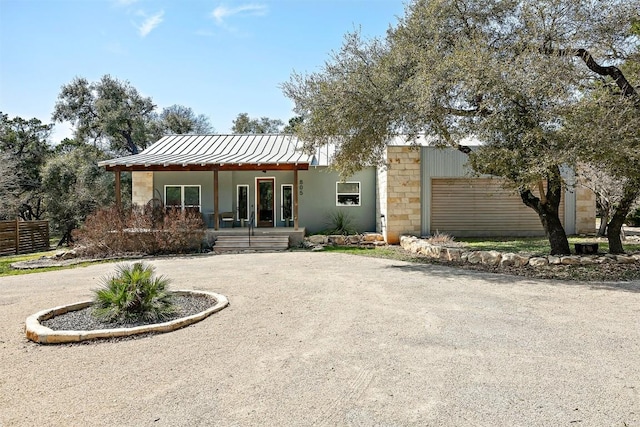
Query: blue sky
(219,58)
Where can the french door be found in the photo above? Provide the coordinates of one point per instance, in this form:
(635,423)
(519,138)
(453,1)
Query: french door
(265,202)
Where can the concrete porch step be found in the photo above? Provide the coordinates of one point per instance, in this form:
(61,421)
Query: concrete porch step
(259,242)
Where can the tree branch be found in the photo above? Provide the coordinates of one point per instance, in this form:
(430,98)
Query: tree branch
(610,71)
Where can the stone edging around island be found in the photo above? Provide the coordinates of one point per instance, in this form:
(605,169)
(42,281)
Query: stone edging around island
(43,335)
(495,258)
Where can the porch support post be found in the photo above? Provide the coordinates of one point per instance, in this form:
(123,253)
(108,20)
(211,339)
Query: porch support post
(295,199)
(215,199)
(118,195)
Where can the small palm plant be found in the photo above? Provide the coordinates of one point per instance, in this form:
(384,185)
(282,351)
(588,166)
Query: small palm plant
(133,295)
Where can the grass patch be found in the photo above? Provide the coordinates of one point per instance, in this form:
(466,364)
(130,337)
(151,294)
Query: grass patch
(6,261)
(534,245)
(529,245)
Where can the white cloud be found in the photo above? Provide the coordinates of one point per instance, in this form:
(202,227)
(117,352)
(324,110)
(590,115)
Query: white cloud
(221,12)
(150,23)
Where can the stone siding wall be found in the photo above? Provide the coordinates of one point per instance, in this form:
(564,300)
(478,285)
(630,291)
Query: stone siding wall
(142,187)
(403,214)
(585,210)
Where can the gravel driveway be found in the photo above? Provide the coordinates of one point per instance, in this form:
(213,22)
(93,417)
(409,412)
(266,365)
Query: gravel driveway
(333,339)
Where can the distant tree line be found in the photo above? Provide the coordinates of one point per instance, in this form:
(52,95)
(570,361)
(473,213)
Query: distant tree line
(110,118)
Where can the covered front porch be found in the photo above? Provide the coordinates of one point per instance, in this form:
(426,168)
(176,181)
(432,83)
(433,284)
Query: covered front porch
(234,181)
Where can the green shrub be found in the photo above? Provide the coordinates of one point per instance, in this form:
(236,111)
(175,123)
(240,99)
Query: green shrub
(340,222)
(133,295)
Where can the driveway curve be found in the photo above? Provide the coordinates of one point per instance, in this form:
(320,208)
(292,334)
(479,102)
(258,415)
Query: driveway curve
(334,339)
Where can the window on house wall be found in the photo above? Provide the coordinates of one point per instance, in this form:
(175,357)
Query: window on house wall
(182,197)
(287,202)
(347,194)
(242,202)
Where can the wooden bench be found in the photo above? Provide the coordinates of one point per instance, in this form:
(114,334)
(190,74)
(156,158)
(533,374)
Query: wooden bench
(586,248)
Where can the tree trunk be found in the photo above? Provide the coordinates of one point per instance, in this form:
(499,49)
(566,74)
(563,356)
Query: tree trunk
(604,221)
(614,228)
(548,213)
(66,238)
(131,146)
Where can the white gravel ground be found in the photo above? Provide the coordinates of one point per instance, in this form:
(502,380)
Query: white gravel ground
(332,339)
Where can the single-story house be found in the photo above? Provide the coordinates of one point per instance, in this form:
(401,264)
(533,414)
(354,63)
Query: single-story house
(267,180)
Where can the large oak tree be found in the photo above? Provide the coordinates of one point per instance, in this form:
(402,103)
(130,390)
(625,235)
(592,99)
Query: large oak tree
(181,120)
(110,111)
(504,72)
(24,148)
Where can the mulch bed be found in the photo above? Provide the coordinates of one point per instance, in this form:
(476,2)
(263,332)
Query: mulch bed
(83,320)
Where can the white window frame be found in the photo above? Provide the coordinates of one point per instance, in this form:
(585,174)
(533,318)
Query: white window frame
(182,187)
(282,187)
(359,193)
(246,217)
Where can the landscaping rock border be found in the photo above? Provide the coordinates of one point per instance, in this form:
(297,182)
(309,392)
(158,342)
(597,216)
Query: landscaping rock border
(508,259)
(317,242)
(43,335)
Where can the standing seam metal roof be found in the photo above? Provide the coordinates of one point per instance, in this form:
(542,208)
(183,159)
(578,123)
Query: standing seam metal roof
(219,149)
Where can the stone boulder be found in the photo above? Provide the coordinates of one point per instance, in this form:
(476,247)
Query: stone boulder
(64,255)
(353,240)
(318,239)
(625,259)
(490,257)
(570,260)
(474,257)
(554,260)
(425,249)
(538,261)
(337,239)
(451,254)
(510,259)
(373,237)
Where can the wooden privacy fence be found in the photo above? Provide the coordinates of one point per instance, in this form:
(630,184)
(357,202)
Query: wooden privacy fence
(21,237)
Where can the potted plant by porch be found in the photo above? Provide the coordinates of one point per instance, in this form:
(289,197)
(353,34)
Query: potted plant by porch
(287,216)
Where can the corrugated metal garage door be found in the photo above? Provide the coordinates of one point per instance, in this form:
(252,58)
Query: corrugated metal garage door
(481,207)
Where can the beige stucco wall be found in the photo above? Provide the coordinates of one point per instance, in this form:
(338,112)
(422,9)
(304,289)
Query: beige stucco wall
(142,187)
(585,210)
(403,193)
